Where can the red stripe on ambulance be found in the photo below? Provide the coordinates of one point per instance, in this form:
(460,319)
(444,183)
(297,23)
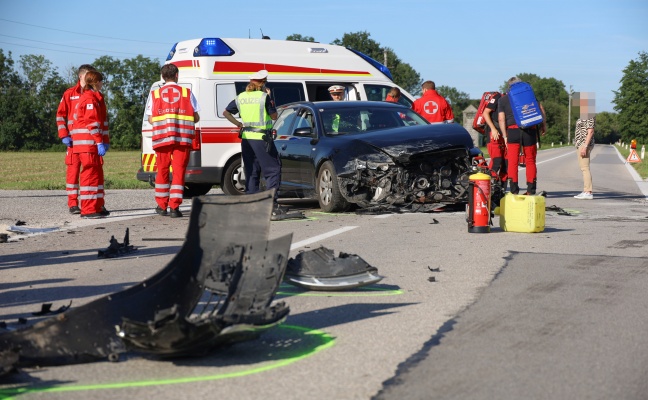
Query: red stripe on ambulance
(232,67)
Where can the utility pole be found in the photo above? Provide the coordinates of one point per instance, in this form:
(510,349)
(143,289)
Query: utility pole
(385,57)
(571,93)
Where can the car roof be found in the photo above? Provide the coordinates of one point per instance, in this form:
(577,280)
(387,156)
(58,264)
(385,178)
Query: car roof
(345,104)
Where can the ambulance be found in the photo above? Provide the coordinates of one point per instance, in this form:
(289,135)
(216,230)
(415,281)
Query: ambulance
(218,69)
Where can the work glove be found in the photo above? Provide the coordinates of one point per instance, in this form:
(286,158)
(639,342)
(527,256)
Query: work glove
(101,148)
(67,141)
(107,146)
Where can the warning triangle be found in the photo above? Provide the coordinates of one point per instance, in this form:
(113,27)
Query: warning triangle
(633,157)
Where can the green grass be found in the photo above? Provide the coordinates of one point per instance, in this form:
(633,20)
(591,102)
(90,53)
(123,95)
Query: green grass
(46,170)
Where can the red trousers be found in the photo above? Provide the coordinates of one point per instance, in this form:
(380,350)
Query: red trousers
(72,177)
(91,192)
(176,157)
(513,159)
(497,153)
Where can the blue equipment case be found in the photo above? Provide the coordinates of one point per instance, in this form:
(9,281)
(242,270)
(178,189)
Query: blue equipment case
(525,106)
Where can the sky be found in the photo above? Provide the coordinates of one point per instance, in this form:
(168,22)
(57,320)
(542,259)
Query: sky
(474,46)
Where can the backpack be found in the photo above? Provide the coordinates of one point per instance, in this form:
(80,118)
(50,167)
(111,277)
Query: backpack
(479,124)
(524,104)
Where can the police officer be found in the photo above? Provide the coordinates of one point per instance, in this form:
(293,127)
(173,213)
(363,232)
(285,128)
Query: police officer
(336,92)
(173,112)
(260,155)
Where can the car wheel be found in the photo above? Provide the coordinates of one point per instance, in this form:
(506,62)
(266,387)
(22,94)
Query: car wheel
(233,181)
(195,189)
(328,191)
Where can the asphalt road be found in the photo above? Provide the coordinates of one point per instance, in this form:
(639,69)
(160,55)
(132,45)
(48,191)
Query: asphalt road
(555,314)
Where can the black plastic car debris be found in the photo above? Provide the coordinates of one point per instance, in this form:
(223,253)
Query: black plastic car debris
(319,269)
(117,249)
(46,308)
(204,266)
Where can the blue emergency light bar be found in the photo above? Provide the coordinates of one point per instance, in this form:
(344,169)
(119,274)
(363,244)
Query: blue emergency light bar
(207,47)
(380,67)
(212,47)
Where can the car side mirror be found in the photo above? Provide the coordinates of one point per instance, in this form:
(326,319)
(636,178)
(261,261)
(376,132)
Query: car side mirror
(303,132)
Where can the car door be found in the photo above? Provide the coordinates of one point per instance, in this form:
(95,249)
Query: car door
(295,129)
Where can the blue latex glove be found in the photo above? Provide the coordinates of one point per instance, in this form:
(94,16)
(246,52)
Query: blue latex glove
(107,146)
(102,149)
(67,141)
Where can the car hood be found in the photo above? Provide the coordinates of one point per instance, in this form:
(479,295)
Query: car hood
(401,143)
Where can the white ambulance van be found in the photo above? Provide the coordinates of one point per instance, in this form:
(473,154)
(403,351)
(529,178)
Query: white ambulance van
(217,70)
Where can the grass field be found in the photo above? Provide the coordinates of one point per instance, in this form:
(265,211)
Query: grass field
(46,170)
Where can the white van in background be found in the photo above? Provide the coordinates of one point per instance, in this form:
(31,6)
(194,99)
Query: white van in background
(217,70)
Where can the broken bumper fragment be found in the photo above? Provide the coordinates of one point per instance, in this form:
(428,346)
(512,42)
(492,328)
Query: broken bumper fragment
(319,269)
(226,256)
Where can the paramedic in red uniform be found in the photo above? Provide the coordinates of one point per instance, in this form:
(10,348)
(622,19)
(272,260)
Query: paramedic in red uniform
(432,106)
(64,121)
(496,145)
(516,137)
(90,138)
(257,111)
(173,112)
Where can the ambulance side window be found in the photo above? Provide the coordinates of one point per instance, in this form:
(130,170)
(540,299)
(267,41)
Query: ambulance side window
(379,93)
(286,92)
(225,93)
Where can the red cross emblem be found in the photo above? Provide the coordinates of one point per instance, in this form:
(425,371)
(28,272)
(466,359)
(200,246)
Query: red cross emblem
(170,95)
(431,107)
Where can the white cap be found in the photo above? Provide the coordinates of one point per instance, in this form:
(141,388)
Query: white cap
(259,75)
(337,88)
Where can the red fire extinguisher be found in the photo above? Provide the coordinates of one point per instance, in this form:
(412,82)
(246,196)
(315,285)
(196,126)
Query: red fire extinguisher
(521,160)
(479,203)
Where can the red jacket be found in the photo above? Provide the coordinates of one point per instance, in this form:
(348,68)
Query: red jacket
(173,116)
(433,107)
(65,112)
(90,123)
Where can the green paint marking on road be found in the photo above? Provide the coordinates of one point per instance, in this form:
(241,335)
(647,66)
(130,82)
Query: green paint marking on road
(289,290)
(323,342)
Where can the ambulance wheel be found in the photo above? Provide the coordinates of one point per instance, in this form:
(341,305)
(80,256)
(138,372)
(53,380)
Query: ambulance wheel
(233,182)
(196,189)
(328,190)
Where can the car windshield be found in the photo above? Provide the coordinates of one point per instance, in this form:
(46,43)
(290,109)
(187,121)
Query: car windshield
(345,121)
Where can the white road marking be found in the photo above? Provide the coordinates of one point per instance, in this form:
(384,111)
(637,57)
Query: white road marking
(321,237)
(555,158)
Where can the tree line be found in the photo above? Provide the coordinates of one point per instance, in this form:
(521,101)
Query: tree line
(30,93)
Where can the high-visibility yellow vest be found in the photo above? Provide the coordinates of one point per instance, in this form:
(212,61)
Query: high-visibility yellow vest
(251,106)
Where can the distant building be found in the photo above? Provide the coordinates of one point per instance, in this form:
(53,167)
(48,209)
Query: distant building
(468,117)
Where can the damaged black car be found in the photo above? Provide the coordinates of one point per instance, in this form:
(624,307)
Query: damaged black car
(375,155)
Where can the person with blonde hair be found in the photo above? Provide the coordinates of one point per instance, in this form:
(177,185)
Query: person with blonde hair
(64,122)
(260,155)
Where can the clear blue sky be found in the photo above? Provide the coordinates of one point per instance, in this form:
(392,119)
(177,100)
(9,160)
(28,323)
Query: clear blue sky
(473,46)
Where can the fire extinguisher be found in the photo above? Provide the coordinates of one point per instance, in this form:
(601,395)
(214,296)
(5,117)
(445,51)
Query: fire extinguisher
(521,160)
(479,203)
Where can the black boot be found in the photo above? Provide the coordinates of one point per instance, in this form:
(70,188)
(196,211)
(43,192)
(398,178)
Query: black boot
(513,186)
(531,188)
